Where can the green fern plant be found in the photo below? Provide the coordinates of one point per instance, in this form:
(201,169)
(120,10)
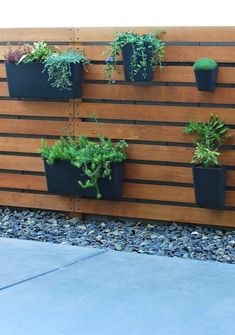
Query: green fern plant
(210,138)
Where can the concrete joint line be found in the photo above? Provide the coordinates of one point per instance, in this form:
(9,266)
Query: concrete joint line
(52,270)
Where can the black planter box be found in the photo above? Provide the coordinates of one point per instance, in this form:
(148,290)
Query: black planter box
(206,79)
(209,186)
(62,178)
(28,81)
(127,52)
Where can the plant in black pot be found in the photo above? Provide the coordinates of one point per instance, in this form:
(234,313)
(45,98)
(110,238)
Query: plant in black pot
(43,71)
(208,175)
(79,166)
(141,55)
(205,70)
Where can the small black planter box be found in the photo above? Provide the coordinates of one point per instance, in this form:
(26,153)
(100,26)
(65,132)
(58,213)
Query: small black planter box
(127,52)
(209,186)
(206,79)
(28,81)
(62,178)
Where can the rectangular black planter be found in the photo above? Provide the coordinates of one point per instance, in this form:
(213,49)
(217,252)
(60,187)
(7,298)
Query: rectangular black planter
(127,53)
(209,186)
(62,178)
(206,79)
(28,81)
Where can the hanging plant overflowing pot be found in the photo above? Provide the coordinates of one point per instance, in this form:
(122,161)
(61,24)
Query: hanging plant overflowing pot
(41,71)
(78,166)
(141,55)
(208,175)
(205,70)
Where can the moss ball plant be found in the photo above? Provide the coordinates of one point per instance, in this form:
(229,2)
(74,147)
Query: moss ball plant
(205,64)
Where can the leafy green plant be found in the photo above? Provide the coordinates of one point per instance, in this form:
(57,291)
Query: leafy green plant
(94,158)
(58,67)
(38,52)
(139,43)
(205,64)
(210,137)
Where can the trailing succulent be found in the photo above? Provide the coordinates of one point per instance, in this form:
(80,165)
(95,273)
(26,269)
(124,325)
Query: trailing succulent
(205,64)
(56,63)
(210,137)
(139,45)
(94,158)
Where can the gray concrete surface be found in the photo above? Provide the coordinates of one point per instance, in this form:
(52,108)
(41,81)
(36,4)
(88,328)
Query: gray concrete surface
(115,293)
(21,260)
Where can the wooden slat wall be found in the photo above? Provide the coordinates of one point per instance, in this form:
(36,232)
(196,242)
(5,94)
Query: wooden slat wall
(158,176)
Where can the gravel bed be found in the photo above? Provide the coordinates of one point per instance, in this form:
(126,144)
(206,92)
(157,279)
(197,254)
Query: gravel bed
(165,239)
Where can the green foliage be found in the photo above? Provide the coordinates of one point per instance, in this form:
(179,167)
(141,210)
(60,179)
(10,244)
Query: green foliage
(210,137)
(58,67)
(94,158)
(139,50)
(205,64)
(38,52)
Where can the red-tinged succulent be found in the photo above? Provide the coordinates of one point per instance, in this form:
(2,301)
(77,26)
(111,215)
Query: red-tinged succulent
(14,56)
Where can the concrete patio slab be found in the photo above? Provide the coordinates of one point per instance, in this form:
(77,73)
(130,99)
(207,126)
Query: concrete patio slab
(123,293)
(21,260)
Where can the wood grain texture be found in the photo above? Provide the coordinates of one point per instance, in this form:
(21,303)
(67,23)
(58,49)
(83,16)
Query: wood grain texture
(176,34)
(32,200)
(36,34)
(183,74)
(22,181)
(36,127)
(222,54)
(176,174)
(156,212)
(152,113)
(36,108)
(158,93)
(138,132)
(21,163)
(2,71)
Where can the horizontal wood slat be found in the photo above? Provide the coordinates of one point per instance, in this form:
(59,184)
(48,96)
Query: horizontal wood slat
(152,113)
(36,34)
(176,34)
(22,181)
(167,193)
(36,108)
(31,200)
(222,54)
(158,93)
(138,132)
(168,74)
(176,174)
(21,163)
(36,127)
(2,71)
(154,211)
(171,154)
(18,144)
